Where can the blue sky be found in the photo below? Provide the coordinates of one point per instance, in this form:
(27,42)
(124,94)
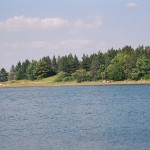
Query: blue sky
(31,29)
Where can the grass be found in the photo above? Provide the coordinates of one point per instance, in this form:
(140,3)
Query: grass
(51,81)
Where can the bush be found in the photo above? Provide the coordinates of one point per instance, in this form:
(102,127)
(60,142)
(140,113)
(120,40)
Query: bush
(68,78)
(61,75)
(146,77)
(88,76)
(80,75)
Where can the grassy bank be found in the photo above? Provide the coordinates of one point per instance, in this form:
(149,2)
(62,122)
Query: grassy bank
(51,82)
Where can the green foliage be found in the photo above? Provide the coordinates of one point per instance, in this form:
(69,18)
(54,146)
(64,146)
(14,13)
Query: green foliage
(147,52)
(54,65)
(75,64)
(89,76)
(86,63)
(31,70)
(76,61)
(142,68)
(127,50)
(109,56)
(68,78)
(68,64)
(115,64)
(116,70)
(24,67)
(12,73)
(44,68)
(80,75)
(139,52)
(146,77)
(3,75)
(21,70)
(95,70)
(63,65)
(18,71)
(97,66)
(135,75)
(61,75)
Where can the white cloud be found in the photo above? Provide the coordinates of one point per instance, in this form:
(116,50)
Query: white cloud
(131,5)
(19,23)
(91,23)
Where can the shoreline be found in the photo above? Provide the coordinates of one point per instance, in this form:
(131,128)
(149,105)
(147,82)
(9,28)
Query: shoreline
(54,84)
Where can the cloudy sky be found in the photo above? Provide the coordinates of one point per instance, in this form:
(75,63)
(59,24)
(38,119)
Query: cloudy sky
(31,29)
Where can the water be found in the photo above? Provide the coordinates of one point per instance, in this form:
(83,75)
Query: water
(75,118)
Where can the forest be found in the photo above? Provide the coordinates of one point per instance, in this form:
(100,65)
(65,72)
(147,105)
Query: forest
(120,64)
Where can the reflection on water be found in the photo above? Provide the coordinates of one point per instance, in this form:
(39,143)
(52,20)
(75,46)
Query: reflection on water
(75,118)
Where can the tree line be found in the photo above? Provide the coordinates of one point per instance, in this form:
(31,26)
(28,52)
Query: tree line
(126,63)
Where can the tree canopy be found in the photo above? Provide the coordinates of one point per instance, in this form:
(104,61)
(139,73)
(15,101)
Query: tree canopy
(115,64)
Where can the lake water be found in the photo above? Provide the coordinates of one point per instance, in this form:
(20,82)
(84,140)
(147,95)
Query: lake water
(75,118)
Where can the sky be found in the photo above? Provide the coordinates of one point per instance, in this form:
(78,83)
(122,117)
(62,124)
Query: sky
(32,29)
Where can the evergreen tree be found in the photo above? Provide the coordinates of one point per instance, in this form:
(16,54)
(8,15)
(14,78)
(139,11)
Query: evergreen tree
(147,52)
(31,70)
(112,53)
(86,63)
(130,63)
(3,75)
(63,65)
(76,63)
(44,68)
(54,65)
(101,58)
(24,67)
(119,64)
(128,50)
(12,73)
(48,62)
(70,64)
(95,69)
(139,52)
(97,65)
(18,69)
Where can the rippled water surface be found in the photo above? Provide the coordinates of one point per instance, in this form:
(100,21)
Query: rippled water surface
(75,118)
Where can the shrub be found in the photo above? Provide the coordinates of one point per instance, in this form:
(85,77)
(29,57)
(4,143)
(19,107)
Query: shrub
(146,77)
(61,75)
(80,75)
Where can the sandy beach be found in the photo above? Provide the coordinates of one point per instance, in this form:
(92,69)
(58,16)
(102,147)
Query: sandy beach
(73,83)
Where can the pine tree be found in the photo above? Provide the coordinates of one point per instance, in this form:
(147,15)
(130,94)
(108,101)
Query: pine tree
(86,63)
(44,68)
(3,75)
(70,64)
(18,70)
(12,73)
(31,70)
(76,63)
(24,67)
(54,65)
(63,64)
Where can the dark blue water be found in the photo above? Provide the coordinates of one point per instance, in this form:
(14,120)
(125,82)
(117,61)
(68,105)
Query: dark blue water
(75,118)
